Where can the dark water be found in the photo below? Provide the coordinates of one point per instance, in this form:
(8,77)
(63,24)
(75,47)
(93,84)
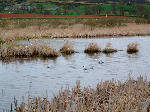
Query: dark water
(23,77)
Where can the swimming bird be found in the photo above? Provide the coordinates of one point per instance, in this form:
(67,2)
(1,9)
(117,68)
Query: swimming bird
(84,68)
(48,67)
(100,62)
(29,42)
(92,67)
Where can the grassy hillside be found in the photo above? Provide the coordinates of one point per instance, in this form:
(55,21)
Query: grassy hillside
(75,8)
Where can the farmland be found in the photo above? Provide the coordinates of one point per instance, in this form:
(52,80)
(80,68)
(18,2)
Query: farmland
(74,8)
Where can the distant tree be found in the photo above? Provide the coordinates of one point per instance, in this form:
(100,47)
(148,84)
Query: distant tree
(97,9)
(121,10)
(88,10)
(40,7)
(114,9)
(20,1)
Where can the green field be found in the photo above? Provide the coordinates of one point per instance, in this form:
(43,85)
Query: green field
(119,9)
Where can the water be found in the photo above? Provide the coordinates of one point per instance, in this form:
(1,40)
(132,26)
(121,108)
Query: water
(23,77)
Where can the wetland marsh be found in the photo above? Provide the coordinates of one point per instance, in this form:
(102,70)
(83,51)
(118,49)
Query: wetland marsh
(34,76)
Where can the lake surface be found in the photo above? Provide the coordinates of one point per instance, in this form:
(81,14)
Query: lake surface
(23,77)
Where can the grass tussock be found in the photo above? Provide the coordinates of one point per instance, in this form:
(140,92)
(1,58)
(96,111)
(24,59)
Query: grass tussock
(132,48)
(67,49)
(7,51)
(109,96)
(92,48)
(109,49)
(22,38)
(1,42)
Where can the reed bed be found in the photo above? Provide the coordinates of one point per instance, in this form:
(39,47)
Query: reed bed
(92,48)
(33,50)
(67,49)
(109,96)
(109,49)
(16,29)
(132,48)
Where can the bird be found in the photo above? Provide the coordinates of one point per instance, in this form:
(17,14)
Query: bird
(29,42)
(100,62)
(48,67)
(84,68)
(92,67)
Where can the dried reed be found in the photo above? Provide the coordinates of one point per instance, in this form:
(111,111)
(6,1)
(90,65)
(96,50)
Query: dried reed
(7,51)
(109,49)
(109,96)
(132,48)
(92,48)
(67,49)
(77,30)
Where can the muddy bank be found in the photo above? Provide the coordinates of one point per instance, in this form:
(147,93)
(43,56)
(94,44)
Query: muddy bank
(75,31)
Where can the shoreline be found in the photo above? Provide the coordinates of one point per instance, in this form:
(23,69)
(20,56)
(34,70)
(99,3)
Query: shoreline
(104,36)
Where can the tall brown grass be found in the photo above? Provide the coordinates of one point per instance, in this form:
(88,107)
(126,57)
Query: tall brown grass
(77,30)
(13,29)
(7,51)
(109,96)
(92,48)
(109,49)
(132,48)
(67,49)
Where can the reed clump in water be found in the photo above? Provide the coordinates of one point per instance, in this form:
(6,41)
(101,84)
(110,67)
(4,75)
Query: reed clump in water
(92,48)
(109,96)
(67,49)
(8,51)
(132,48)
(109,49)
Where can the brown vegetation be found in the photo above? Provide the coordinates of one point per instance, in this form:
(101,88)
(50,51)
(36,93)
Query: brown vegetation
(92,48)
(109,49)
(16,29)
(109,96)
(132,48)
(67,49)
(11,30)
(7,51)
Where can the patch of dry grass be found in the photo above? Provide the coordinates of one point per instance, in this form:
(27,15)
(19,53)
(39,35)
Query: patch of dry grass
(132,48)
(109,49)
(67,49)
(8,51)
(109,96)
(92,48)
(77,30)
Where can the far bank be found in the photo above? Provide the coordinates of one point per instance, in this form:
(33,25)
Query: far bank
(21,29)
